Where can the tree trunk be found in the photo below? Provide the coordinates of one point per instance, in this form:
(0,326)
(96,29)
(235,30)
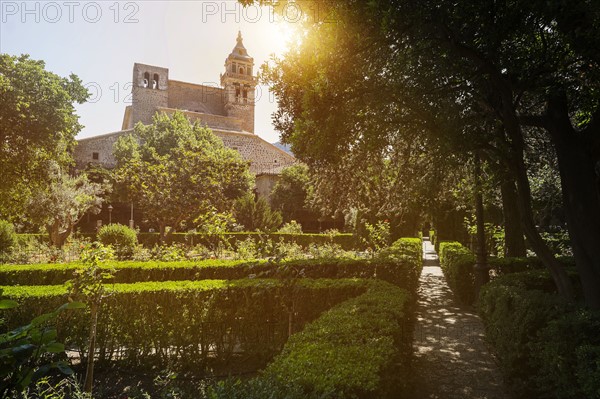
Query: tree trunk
(58,238)
(481,270)
(580,195)
(513,231)
(517,166)
(161,236)
(89,375)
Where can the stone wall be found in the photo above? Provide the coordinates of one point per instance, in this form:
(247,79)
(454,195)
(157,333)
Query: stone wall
(213,121)
(196,98)
(263,156)
(265,185)
(244,112)
(102,145)
(145,100)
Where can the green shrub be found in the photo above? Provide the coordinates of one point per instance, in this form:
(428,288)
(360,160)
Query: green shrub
(457,264)
(122,238)
(346,241)
(8,239)
(153,319)
(546,347)
(566,356)
(357,349)
(400,271)
(291,227)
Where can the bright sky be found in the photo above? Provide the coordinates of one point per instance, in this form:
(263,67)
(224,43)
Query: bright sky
(100,40)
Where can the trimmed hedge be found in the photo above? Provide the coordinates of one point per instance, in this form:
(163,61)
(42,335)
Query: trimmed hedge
(353,350)
(398,272)
(547,348)
(457,264)
(346,241)
(184,324)
(400,264)
(358,349)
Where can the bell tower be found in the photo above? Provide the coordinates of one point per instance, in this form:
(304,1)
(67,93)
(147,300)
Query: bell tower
(240,85)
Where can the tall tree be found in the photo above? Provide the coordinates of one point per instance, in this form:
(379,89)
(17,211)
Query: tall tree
(256,214)
(176,170)
(37,124)
(63,203)
(476,74)
(291,192)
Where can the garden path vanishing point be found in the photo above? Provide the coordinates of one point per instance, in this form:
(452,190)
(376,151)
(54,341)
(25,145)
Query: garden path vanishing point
(452,359)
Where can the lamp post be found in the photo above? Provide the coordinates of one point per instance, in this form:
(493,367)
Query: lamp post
(110,208)
(131,223)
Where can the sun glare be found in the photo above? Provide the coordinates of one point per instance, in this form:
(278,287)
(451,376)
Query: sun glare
(282,35)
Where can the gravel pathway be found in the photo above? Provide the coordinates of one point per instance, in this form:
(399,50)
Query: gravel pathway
(451,357)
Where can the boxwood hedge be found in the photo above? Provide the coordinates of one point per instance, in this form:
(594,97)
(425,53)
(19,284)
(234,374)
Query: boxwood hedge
(401,265)
(184,323)
(547,348)
(458,262)
(358,349)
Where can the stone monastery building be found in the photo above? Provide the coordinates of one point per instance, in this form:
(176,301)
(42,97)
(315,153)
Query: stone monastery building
(227,110)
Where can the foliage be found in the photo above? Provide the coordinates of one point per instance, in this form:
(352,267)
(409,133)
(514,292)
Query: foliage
(8,239)
(291,227)
(256,214)
(122,238)
(141,317)
(559,242)
(291,194)
(48,388)
(37,124)
(460,78)
(176,171)
(405,254)
(88,284)
(347,241)
(377,236)
(494,236)
(64,203)
(546,347)
(214,225)
(29,352)
(457,263)
(354,350)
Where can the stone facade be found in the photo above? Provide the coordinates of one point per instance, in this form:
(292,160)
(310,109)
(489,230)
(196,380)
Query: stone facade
(227,110)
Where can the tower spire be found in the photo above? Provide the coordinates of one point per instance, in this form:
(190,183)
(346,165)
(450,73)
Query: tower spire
(239,84)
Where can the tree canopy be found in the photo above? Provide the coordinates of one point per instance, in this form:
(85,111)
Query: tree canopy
(456,77)
(64,202)
(38,123)
(175,170)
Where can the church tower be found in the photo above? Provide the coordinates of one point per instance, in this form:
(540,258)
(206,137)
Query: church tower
(240,85)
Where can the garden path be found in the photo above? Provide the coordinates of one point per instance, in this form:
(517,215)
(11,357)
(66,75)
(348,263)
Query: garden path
(452,359)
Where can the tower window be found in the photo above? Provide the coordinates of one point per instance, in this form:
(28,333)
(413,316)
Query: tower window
(233,67)
(95,156)
(245,94)
(241,71)
(146,81)
(155,81)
